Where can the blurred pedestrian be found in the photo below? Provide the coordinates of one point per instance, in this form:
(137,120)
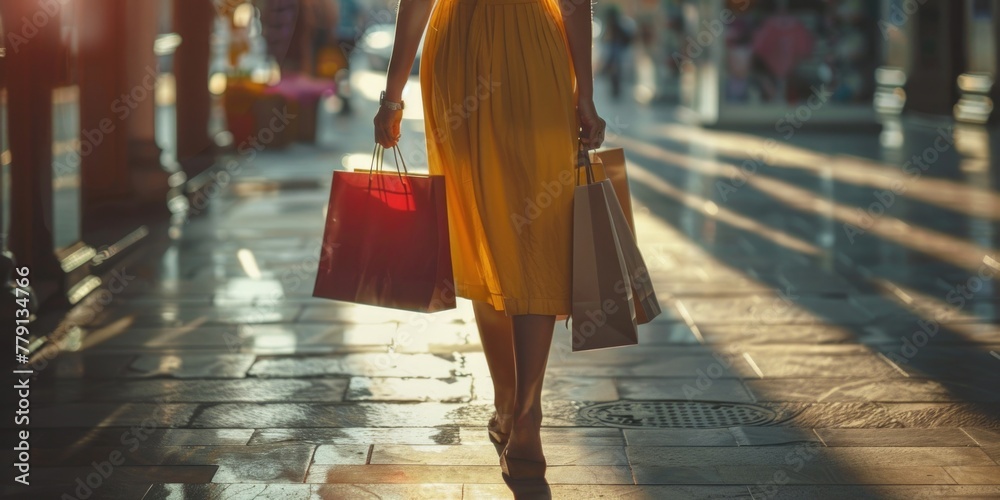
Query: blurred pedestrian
(618,36)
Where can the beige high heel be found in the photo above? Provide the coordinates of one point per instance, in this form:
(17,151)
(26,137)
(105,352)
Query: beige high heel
(521,468)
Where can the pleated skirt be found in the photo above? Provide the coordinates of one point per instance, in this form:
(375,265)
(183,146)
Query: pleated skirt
(498,91)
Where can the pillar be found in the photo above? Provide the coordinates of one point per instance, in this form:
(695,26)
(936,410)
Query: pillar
(193,21)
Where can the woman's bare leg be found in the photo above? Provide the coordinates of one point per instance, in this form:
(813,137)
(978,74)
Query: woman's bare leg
(496,332)
(532,341)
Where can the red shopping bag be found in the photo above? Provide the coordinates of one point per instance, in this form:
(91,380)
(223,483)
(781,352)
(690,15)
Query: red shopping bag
(386,241)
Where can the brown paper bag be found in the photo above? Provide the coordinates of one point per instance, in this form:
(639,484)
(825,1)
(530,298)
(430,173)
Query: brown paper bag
(612,167)
(603,309)
(610,164)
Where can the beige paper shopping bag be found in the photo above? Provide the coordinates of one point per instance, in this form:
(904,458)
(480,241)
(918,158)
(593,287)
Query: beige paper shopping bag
(610,164)
(603,309)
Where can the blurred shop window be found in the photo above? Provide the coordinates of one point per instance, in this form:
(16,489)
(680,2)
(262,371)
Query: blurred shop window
(782,52)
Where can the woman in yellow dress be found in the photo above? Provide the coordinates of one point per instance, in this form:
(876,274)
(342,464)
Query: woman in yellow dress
(507,89)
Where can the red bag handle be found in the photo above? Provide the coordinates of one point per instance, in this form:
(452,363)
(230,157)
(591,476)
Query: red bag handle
(378,162)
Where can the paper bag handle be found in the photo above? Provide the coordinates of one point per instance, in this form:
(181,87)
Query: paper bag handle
(583,161)
(378,161)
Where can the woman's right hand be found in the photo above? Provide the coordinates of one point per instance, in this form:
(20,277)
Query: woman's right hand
(387,126)
(591,126)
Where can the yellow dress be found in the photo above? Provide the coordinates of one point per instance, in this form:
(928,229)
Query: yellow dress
(498,91)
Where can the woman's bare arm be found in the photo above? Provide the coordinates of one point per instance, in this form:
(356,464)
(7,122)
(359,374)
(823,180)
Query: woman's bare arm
(578,18)
(411,21)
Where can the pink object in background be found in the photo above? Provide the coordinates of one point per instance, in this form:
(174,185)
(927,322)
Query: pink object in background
(781,43)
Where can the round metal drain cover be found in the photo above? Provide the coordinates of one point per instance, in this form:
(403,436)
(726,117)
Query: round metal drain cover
(678,414)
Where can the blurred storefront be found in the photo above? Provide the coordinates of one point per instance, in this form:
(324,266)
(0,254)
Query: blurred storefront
(755,61)
(836,61)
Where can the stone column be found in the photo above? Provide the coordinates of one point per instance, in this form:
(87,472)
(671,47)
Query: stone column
(149,179)
(107,99)
(193,21)
(32,41)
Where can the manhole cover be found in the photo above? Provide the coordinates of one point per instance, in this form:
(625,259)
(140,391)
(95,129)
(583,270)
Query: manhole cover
(678,414)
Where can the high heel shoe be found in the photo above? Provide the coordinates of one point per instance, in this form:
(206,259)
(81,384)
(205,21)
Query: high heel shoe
(521,468)
(497,436)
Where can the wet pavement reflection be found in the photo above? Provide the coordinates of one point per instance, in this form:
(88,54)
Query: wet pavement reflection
(829,279)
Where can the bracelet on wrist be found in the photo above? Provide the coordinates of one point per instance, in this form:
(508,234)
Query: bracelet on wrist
(395,106)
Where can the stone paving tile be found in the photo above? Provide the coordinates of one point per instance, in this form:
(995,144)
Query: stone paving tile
(879,492)
(767,436)
(471,454)
(655,474)
(658,388)
(366,415)
(791,365)
(365,364)
(388,491)
(341,454)
(84,365)
(171,491)
(205,437)
(360,435)
(191,365)
(221,391)
(941,437)
(178,316)
(988,440)
(570,436)
(565,474)
(360,314)
(767,309)
(680,437)
(52,489)
(861,389)
(111,415)
(284,463)
(613,492)
(449,390)
(781,455)
(593,389)
(153,338)
(66,438)
(837,474)
(800,335)
(922,415)
(646,362)
(974,474)
(403,474)
(124,474)
(666,334)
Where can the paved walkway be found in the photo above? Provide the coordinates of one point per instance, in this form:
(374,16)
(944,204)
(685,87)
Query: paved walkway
(830,330)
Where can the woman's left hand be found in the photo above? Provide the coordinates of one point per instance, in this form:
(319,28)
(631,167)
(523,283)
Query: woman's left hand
(387,123)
